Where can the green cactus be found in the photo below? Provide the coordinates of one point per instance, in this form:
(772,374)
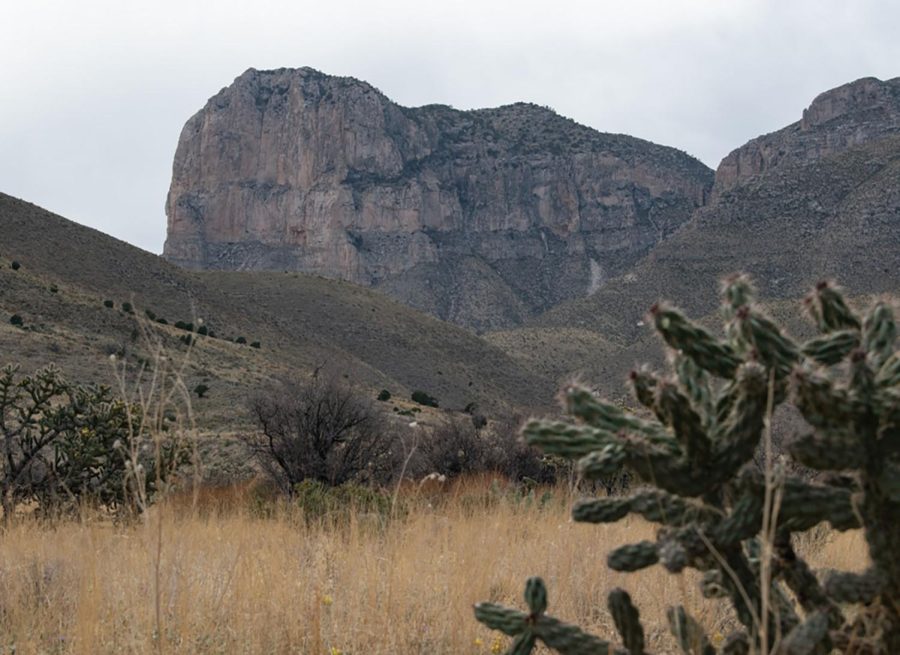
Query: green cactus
(720,514)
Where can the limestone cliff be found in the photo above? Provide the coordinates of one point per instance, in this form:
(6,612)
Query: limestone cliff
(482,217)
(850,115)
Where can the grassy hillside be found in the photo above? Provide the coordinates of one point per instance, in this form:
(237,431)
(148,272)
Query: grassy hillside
(67,271)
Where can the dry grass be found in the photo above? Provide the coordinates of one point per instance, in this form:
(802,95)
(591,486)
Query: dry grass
(234,583)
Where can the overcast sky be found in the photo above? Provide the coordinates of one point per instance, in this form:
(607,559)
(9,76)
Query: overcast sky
(93,93)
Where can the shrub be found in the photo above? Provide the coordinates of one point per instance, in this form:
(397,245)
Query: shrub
(186,339)
(162,321)
(127,308)
(384,395)
(54,288)
(67,443)
(203,330)
(17,320)
(424,399)
(455,448)
(109,303)
(150,314)
(318,500)
(319,429)
(255,344)
(718,512)
(15,266)
(201,390)
(240,340)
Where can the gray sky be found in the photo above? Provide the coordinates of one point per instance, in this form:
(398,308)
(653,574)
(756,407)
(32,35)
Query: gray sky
(93,93)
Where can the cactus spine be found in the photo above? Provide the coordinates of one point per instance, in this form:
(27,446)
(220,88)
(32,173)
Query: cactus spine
(720,514)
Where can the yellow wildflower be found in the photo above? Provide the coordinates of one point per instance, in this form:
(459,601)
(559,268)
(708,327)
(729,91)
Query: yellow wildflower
(327,600)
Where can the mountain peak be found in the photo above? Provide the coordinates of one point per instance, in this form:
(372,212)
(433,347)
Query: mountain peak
(858,112)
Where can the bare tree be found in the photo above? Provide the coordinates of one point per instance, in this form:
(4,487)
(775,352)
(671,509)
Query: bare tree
(319,429)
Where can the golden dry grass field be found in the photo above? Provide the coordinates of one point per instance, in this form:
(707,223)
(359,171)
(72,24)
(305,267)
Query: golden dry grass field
(233,581)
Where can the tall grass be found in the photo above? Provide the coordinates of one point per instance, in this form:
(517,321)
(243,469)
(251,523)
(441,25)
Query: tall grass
(234,581)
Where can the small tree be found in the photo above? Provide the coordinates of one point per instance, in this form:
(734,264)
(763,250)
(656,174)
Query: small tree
(201,390)
(320,429)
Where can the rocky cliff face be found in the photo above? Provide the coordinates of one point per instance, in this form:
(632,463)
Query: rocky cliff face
(481,217)
(850,115)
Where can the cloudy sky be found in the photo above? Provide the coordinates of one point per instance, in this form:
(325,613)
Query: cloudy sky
(93,93)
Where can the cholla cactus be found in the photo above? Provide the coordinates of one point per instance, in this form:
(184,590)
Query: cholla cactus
(728,519)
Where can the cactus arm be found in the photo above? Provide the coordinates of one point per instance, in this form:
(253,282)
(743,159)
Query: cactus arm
(688,633)
(879,333)
(695,342)
(831,348)
(526,629)
(628,621)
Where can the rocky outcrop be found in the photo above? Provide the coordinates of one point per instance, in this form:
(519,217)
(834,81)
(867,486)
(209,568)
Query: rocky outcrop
(849,115)
(481,217)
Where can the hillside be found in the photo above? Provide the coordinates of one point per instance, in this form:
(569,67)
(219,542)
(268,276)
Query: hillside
(67,272)
(483,218)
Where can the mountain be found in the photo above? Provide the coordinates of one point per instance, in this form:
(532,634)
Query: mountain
(66,273)
(483,218)
(817,199)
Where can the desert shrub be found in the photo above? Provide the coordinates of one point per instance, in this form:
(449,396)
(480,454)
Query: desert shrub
(384,395)
(424,399)
(201,390)
(718,512)
(109,304)
(54,288)
(16,320)
(66,444)
(318,500)
(150,314)
(162,321)
(15,266)
(203,330)
(319,429)
(127,308)
(240,340)
(456,448)
(255,344)
(186,339)
(453,448)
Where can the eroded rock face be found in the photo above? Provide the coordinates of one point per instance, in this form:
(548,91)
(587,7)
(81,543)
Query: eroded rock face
(481,217)
(850,115)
